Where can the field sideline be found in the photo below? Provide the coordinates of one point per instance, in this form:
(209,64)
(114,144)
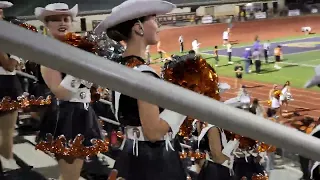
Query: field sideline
(301,55)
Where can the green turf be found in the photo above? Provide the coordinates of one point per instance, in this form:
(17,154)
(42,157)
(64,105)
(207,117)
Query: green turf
(297,68)
(297,75)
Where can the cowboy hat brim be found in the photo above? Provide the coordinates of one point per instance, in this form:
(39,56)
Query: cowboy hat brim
(134,9)
(5,4)
(41,13)
(315,80)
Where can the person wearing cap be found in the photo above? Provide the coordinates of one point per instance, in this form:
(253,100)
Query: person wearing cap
(71,113)
(150,151)
(10,86)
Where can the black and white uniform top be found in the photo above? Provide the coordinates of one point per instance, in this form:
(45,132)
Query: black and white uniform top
(227,147)
(9,83)
(140,158)
(39,87)
(72,117)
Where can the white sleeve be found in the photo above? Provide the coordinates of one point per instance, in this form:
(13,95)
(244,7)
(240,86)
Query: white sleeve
(173,119)
(230,147)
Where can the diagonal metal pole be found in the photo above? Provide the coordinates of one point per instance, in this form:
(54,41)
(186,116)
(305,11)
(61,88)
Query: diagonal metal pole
(63,57)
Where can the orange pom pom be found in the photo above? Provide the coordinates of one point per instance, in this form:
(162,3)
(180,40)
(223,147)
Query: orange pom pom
(83,43)
(193,73)
(277,93)
(74,148)
(196,155)
(29,27)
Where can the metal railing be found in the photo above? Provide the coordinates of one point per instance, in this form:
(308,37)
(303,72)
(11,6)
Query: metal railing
(54,54)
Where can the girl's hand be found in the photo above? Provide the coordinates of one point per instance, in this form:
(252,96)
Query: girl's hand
(113,175)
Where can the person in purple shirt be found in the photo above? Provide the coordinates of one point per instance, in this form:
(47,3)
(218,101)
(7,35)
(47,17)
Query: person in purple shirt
(256,44)
(247,60)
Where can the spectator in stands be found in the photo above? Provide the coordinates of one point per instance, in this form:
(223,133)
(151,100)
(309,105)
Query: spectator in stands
(229,50)
(238,69)
(277,56)
(181,43)
(195,46)
(266,50)
(216,55)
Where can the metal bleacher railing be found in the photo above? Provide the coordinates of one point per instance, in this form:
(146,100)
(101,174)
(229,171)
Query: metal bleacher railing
(56,55)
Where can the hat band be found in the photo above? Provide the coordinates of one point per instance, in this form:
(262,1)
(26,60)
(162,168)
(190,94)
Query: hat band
(61,9)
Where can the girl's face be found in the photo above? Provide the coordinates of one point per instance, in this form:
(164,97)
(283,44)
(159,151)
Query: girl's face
(151,30)
(1,14)
(59,25)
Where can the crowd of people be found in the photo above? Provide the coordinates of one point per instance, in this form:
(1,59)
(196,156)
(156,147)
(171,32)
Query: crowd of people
(151,148)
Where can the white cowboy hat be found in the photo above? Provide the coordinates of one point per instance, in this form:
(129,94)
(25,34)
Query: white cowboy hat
(315,80)
(55,9)
(132,9)
(5,4)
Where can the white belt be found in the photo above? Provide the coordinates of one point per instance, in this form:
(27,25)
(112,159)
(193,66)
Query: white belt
(136,134)
(83,95)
